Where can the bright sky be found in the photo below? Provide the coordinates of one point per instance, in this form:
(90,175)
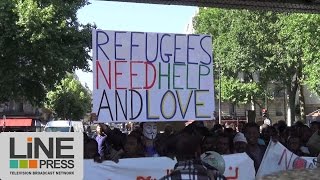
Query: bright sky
(134,17)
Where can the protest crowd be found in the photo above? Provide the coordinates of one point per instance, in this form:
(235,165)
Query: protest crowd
(190,144)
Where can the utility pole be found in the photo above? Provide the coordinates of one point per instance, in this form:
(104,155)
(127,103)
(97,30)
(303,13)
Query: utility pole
(220,121)
(4,123)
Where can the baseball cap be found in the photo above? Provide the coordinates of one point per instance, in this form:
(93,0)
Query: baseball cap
(213,160)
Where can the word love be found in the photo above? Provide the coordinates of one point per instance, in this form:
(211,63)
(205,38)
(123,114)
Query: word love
(130,104)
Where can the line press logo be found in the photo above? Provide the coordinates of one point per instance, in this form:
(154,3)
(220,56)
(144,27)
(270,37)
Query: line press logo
(32,160)
(41,155)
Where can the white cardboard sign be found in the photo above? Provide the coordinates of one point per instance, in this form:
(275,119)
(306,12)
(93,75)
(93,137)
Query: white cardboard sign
(140,76)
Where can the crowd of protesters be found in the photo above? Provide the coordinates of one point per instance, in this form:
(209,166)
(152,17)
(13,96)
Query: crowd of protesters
(195,139)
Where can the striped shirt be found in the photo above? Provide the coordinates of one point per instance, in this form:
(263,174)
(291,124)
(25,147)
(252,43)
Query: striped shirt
(191,170)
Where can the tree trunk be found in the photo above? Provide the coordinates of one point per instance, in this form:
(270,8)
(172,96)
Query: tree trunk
(301,93)
(302,104)
(253,104)
(291,100)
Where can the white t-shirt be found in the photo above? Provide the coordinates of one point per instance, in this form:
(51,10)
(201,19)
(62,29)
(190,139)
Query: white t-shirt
(267,122)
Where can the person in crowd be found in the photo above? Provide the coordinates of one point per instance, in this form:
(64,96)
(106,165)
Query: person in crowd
(209,143)
(133,147)
(265,136)
(189,166)
(273,134)
(304,132)
(230,132)
(168,130)
(314,126)
(167,147)
(85,138)
(115,143)
(241,125)
(101,139)
(223,144)
(150,132)
(91,150)
(282,126)
(314,144)
(239,143)
(215,164)
(217,128)
(294,144)
(254,150)
(266,120)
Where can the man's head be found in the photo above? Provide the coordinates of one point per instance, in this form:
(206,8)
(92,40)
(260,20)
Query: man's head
(133,145)
(223,144)
(240,143)
(168,129)
(102,129)
(251,132)
(315,126)
(187,146)
(150,130)
(213,161)
(209,143)
(99,129)
(293,143)
(241,126)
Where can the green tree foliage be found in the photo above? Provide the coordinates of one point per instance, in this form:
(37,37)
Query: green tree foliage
(296,54)
(281,48)
(241,44)
(40,40)
(69,100)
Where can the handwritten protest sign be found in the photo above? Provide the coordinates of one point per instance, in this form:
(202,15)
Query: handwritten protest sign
(140,76)
(279,158)
(238,167)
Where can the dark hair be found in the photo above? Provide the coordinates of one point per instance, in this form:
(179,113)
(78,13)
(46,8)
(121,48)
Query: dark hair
(229,131)
(136,133)
(117,139)
(317,123)
(103,128)
(166,146)
(282,126)
(251,125)
(186,145)
(139,141)
(225,135)
(272,128)
(216,127)
(203,131)
(299,124)
(293,136)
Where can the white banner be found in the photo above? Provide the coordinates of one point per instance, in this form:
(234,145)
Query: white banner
(238,166)
(140,76)
(279,158)
(127,169)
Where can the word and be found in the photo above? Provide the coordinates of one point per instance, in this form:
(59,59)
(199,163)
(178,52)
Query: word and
(128,107)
